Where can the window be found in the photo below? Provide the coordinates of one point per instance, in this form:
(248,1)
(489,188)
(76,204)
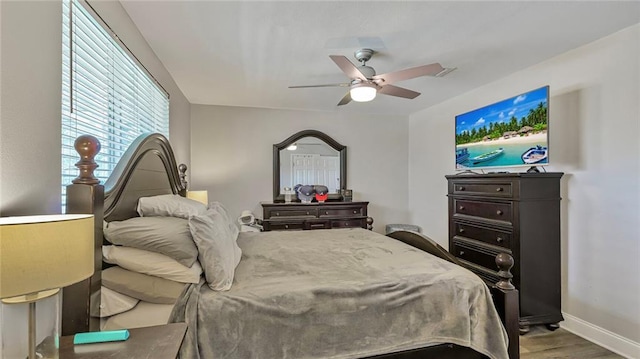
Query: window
(106,93)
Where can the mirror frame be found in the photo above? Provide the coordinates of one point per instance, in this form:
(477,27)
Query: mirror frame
(342,150)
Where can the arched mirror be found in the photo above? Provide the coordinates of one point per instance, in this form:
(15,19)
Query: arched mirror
(309,157)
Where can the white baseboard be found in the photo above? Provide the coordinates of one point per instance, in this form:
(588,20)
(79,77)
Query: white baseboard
(612,341)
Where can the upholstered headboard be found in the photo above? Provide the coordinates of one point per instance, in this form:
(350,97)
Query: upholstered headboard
(147,168)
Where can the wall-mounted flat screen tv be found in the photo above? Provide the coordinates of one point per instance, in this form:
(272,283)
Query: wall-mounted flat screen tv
(510,133)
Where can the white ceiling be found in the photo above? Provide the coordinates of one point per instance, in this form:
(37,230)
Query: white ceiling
(240,53)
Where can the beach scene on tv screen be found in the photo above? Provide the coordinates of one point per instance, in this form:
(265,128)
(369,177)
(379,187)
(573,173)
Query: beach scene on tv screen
(509,133)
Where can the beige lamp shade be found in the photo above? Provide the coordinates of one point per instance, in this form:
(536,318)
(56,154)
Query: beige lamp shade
(40,253)
(200,196)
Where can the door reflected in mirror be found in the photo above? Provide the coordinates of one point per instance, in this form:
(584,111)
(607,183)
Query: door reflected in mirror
(310,161)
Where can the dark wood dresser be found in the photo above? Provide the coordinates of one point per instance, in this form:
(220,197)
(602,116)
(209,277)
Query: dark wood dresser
(302,216)
(517,213)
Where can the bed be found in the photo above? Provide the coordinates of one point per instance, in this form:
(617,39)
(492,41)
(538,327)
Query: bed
(348,293)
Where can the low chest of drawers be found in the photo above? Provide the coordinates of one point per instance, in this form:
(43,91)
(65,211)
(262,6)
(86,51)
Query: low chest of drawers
(517,213)
(305,216)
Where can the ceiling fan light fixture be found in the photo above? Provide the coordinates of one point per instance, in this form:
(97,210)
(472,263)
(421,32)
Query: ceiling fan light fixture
(363,92)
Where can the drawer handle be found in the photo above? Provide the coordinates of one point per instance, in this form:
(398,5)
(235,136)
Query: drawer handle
(326,212)
(307,213)
(462,208)
(499,212)
(286,226)
(499,189)
(277,213)
(500,239)
(461,253)
(461,230)
(355,212)
(346,224)
(460,188)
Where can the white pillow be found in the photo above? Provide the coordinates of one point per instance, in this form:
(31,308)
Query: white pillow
(169,205)
(112,302)
(233,227)
(218,251)
(152,263)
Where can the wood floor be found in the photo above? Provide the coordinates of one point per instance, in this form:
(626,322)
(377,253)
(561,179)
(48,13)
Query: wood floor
(541,343)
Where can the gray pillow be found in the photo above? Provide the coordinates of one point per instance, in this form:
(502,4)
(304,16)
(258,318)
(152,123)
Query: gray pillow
(218,251)
(165,235)
(233,227)
(169,205)
(142,286)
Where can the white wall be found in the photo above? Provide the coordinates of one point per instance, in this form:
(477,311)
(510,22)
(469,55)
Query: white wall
(594,139)
(30,103)
(231,155)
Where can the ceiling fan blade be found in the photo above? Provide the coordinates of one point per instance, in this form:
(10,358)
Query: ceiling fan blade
(346,99)
(326,85)
(425,70)
(398,91)
(348,67)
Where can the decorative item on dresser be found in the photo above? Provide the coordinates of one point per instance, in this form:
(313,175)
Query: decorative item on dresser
(315,215)
(519,212)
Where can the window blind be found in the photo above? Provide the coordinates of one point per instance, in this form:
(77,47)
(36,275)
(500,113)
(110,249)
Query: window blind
(106,93)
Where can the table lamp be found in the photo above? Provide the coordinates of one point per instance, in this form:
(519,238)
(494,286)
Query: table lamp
(38,256)
(200,196)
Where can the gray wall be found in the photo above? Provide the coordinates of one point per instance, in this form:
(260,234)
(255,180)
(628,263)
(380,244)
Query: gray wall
(594,128)
(30,108)
(30,98)
(231,155)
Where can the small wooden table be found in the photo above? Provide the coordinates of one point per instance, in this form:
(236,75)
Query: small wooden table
(158,342)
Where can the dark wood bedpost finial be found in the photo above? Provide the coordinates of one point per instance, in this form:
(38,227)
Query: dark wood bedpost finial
(504,262)
(87,147)
(182,168)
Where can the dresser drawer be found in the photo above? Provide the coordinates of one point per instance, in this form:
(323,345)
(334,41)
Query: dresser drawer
(498,211)
(484,256)
(317,224)
(348,223)
(283,225)
(291,212)
(494,189)
(341,212)
(486,235)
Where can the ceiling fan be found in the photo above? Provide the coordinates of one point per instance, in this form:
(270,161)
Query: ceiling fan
(364,84)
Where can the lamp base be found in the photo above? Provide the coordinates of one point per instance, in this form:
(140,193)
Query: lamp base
(42,336)
(32,297)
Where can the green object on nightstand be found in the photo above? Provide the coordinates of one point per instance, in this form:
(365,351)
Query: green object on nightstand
(101,337)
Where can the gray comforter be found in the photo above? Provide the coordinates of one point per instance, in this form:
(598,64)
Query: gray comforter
(344,293)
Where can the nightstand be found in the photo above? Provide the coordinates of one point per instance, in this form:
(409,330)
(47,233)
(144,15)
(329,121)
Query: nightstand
(158,342)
